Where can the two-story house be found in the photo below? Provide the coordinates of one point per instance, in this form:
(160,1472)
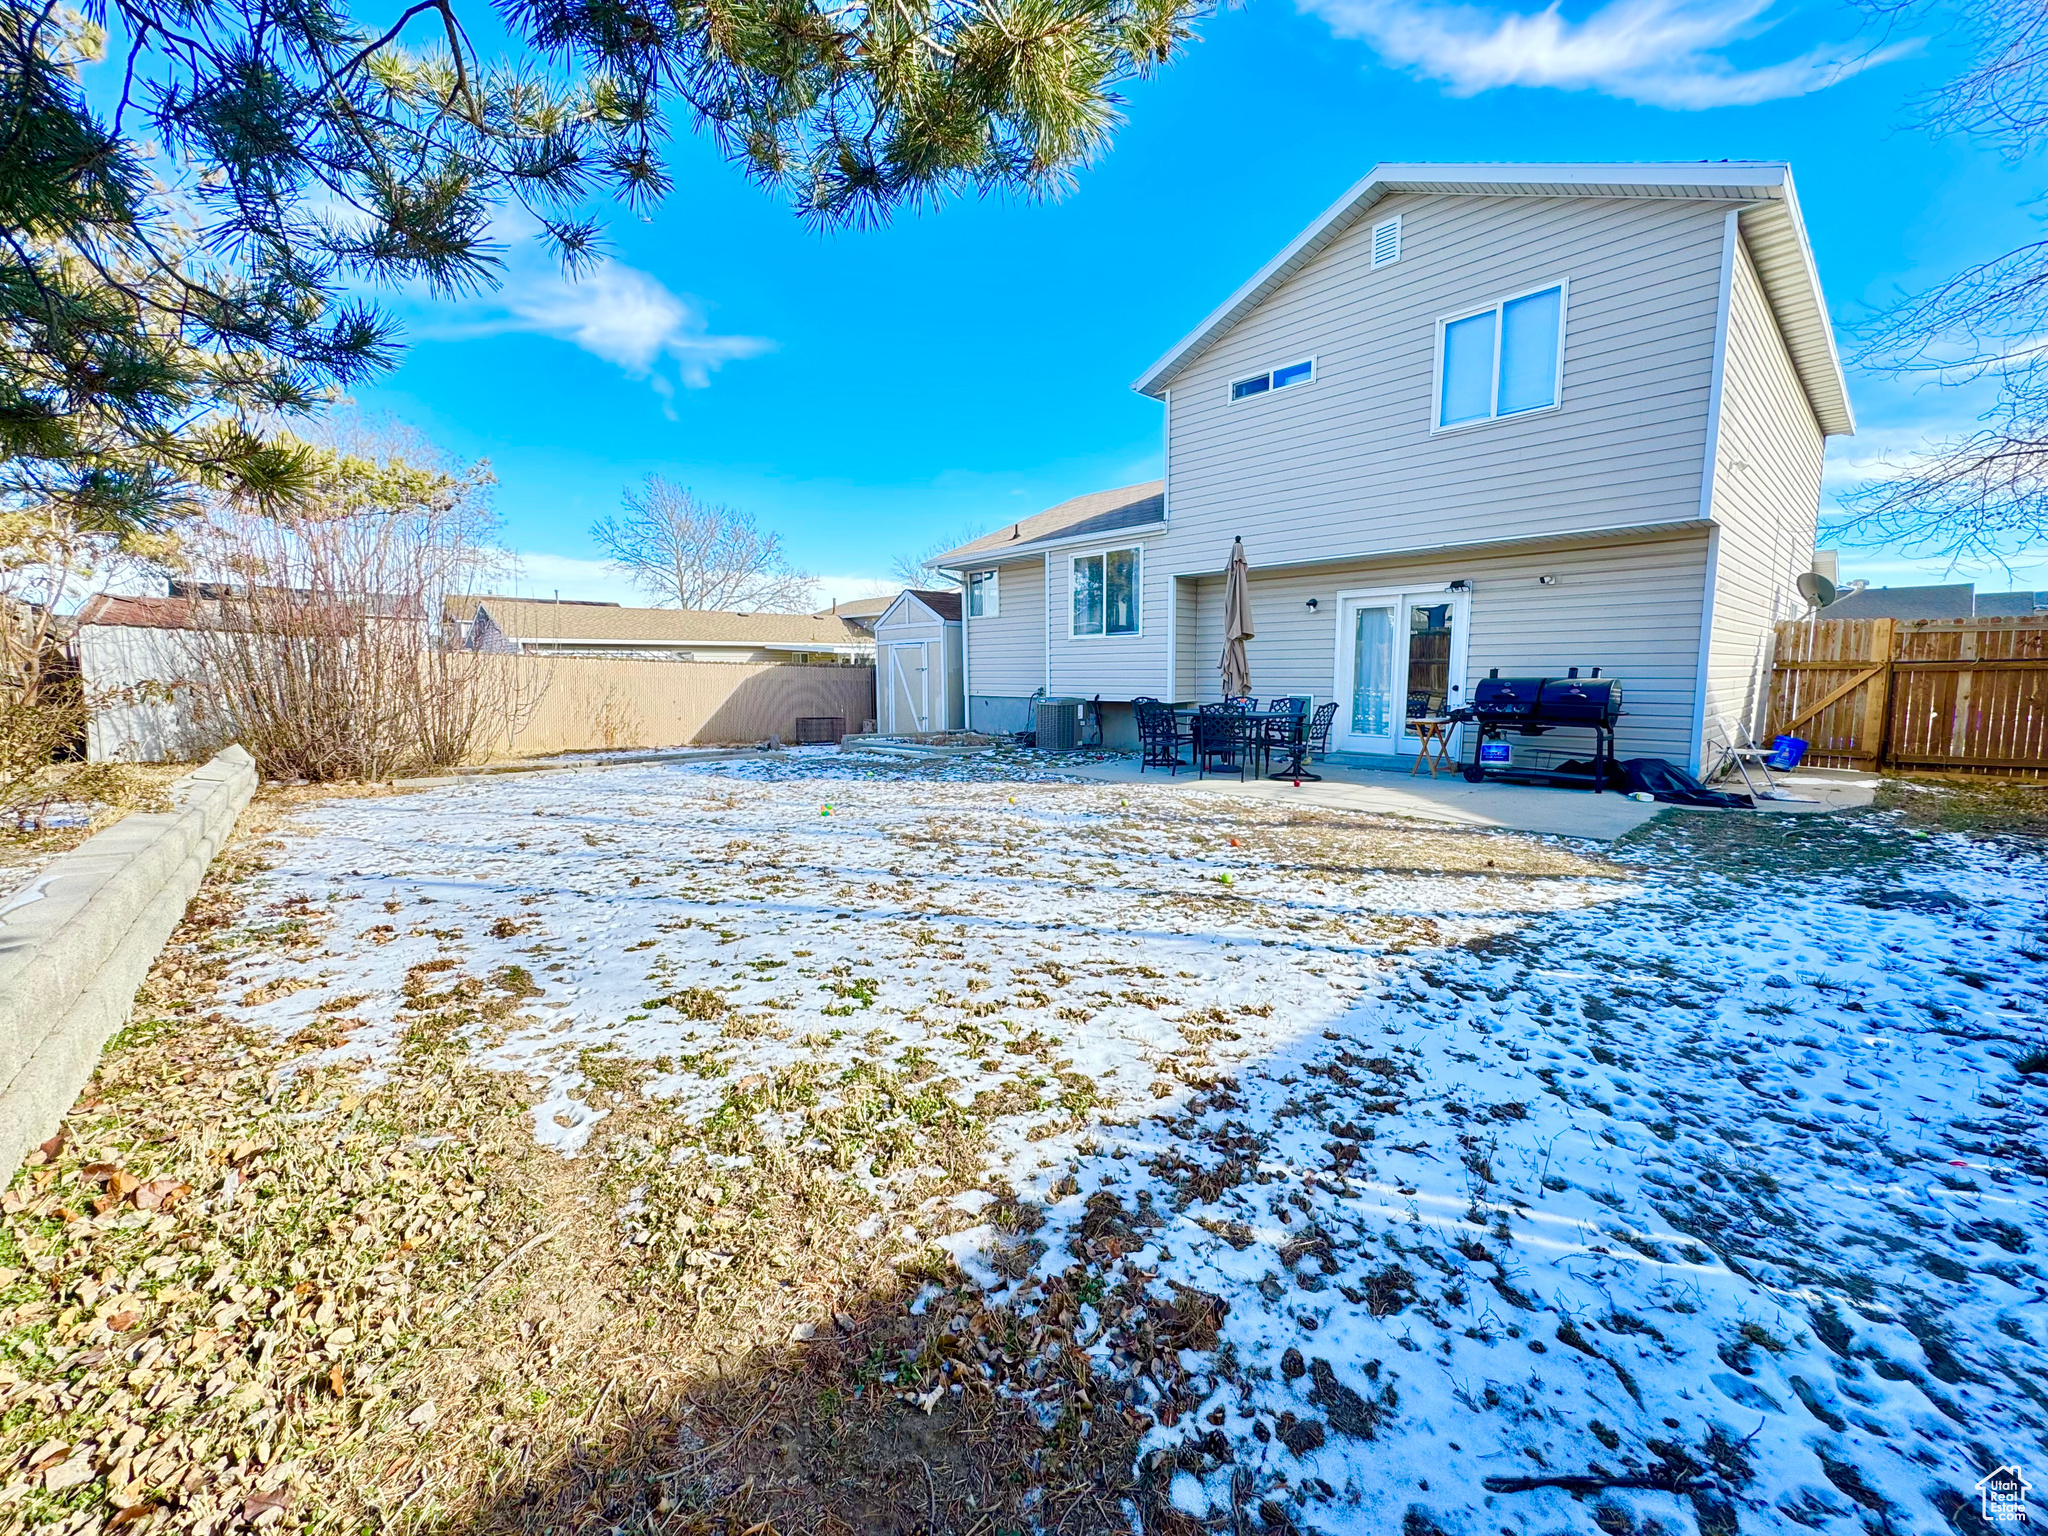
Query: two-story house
(1475,416)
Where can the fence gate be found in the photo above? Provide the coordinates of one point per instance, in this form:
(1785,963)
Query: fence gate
(1942,694)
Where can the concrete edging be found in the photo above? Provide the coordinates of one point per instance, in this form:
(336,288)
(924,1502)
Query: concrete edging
(80,938)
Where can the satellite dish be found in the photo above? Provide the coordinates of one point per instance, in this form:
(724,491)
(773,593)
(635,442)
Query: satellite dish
(1816,589)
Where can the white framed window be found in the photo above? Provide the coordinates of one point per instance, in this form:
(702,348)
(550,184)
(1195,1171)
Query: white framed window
(1504,360)
(1286,376)
(1386,241)
(984,595)
(1106,590)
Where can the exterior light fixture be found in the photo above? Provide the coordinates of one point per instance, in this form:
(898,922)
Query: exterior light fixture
(1460,585)
(1311,605)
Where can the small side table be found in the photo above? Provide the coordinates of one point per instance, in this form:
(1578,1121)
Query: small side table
(1433,743)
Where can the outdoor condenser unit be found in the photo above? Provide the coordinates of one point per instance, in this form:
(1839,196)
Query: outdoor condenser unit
(1059,724)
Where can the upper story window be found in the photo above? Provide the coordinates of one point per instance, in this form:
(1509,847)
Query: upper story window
(1303,372)
(984,595)
(1386,241)
(1501,361)
(1105,590)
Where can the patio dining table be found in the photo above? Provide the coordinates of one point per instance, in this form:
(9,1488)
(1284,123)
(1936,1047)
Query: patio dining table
(1259,739)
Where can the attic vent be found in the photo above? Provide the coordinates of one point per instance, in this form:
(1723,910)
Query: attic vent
(1386,241)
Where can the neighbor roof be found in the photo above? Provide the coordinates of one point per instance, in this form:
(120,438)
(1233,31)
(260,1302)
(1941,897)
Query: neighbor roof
(1944,602)
(137,612)
(590,623)
(1129,506)
(857,608)
(1761,189)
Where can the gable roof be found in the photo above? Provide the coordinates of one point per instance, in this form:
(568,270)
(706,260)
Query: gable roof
(1761,190)
(1129,506)
(943,604)
(608,624)
(138,612)
(857,608)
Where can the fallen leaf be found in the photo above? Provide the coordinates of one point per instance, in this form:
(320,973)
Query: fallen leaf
(130,1515)
(74,1473)
(120,1185)
(121,1322)
(55,1144)
(422,1416)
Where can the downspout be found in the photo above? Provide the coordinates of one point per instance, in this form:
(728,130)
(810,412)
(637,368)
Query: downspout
(1731,235)
(966,624)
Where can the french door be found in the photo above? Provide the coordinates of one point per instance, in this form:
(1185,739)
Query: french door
(1400,652)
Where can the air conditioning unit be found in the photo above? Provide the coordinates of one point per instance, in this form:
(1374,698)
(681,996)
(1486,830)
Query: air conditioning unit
(1059,724)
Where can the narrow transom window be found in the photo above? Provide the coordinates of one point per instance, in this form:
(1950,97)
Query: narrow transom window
(1303,372)
(1106,593)
(1386,241)
(984,595)
(1501,361)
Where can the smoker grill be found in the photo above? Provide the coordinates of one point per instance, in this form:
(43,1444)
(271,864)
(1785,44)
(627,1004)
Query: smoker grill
(1535,706)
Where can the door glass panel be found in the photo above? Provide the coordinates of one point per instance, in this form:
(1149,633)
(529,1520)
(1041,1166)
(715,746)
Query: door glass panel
(1429,659)
(1372,673)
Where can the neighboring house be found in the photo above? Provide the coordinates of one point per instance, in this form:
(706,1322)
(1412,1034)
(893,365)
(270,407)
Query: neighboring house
(1520,416)
(917,663)
(523,626)
(140,660)
(1957,600)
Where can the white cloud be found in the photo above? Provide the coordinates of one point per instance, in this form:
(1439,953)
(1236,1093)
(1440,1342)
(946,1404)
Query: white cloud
(1664,53)
(615,312)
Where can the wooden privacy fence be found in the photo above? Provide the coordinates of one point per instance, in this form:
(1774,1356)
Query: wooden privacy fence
(1944,694)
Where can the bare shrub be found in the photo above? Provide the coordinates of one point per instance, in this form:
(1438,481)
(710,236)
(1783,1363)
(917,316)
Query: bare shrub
(321,647)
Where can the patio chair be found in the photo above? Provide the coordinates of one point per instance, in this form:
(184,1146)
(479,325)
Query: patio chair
(1421,706)
(1243,703)
(1319,730)
(1220,742)
(1279,733)
(1159,736)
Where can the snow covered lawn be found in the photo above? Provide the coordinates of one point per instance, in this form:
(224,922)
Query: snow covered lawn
(1391,1179)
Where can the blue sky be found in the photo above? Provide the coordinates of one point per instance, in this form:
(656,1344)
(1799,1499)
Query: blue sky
(867,393)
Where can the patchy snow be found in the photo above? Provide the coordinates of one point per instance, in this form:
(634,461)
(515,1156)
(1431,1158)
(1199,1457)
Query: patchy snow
(1712,1182)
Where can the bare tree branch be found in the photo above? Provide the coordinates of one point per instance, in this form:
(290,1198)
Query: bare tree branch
(691,554)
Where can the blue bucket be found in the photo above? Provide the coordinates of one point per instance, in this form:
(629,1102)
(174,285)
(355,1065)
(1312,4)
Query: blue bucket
(1786,753)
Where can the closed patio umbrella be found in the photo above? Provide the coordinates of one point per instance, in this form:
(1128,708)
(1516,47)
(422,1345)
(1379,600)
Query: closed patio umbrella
(1237,624)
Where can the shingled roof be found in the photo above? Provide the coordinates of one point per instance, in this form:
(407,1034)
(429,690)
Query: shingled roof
(604,624)
(1130,506)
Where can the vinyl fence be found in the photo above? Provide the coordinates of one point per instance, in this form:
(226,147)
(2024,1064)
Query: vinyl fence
(576,703)
(1943,695)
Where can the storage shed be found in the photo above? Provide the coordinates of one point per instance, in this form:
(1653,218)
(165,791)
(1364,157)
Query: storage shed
(917,664)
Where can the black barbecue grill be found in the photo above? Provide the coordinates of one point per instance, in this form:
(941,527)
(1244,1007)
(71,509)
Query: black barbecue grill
(1535,706)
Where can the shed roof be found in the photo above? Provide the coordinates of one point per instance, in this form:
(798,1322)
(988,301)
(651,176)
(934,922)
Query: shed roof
(1760,189)
(608,624)
(1129,506)
(137,612)
(944,603)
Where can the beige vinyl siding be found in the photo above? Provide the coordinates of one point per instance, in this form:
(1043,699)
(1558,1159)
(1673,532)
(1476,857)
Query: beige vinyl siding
(1631,608)
(1118,667)
(1187,683)
(1006,654)
(1348,464)
(1766,500)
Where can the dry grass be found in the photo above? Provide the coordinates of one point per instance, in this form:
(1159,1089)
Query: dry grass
(1978,806)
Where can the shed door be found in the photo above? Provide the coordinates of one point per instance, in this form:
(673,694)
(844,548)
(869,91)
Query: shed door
(908,687)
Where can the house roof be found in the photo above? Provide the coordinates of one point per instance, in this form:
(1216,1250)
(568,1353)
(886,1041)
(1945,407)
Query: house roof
(137,612)
(608,624)
(857,608)
(2010,605)
(1129,506)
(1760,189)
(1944,602)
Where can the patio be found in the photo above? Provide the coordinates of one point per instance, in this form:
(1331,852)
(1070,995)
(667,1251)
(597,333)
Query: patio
(1449,799)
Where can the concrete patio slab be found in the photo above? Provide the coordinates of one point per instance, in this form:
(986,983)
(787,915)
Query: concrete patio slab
(1509,807)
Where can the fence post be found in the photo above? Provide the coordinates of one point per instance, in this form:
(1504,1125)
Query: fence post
(1877,702)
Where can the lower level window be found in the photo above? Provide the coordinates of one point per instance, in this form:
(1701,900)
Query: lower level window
(1106,593)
